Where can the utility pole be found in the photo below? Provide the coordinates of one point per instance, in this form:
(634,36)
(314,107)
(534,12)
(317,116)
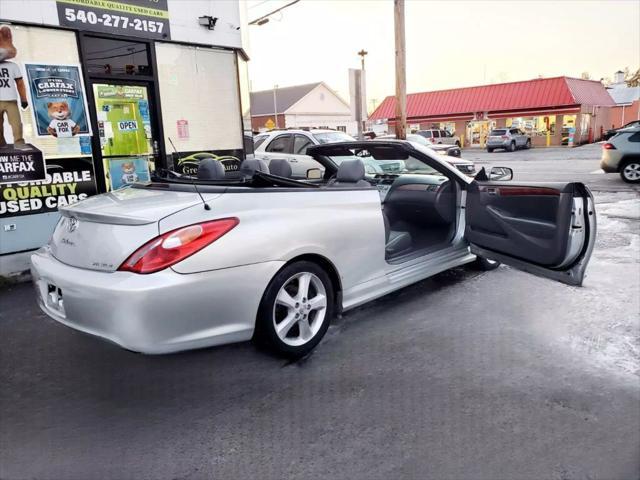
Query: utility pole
(363,96)
(401,73)
(275,105)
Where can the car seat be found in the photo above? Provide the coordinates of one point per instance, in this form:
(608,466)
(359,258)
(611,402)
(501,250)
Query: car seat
(251,165)
(210,169)
(350,174)
(280,167)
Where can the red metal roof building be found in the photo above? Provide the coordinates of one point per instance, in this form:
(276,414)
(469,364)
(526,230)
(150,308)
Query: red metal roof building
(538,106)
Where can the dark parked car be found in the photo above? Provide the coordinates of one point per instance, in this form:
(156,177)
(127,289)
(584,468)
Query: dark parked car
(610,133)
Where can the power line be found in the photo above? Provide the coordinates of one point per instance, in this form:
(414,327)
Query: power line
(265,18)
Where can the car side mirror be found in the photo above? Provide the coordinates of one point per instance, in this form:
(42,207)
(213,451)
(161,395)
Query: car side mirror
(314,174)
(503,174)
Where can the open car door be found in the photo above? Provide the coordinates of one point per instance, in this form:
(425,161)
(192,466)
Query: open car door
(547,229)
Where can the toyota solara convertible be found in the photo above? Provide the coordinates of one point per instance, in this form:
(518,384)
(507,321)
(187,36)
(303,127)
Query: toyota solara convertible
(181,263)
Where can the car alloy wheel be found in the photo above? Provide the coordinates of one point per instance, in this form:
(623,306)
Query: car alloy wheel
(299,309)
(512,147)
(630,172)
(528,145)
(296,309)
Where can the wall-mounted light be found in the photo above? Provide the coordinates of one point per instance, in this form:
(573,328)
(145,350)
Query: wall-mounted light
(208,21)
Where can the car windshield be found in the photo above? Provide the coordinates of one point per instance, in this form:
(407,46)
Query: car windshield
(381,160)
(332,137)
(498,132)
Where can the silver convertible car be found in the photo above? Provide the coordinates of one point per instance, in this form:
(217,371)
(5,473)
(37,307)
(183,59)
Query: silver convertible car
(181,263)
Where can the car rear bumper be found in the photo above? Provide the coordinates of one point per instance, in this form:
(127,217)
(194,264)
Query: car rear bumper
(158,313)
(610,161)
(504,144)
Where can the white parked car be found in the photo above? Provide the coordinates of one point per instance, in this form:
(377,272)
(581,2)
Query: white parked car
(439,136)
(291,145)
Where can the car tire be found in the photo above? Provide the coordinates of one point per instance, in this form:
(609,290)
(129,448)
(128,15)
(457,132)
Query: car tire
(527,145)
(485,264)
(457,144)
(512,147)
(630,171)
(307,313)
(490,150)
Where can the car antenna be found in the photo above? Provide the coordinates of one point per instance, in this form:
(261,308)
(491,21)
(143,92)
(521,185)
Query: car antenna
(195,186)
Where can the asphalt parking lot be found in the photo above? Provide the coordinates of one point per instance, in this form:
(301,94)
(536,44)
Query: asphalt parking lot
(468,375)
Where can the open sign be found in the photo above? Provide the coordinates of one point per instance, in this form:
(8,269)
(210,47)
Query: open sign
(127,125)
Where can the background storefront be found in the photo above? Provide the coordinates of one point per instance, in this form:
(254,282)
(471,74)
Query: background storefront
(554,111)
(137,92)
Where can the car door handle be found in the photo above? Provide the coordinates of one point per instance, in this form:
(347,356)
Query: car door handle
(293,160)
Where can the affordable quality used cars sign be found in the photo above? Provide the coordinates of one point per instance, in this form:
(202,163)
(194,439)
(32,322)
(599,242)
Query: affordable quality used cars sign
(67,181)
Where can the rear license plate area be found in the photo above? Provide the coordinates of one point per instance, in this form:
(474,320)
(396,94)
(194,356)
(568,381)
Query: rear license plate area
(54,299)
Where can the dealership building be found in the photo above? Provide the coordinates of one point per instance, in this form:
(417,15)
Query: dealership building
(111,88)
(554,111)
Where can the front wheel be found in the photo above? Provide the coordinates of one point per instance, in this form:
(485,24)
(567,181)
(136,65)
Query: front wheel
(630,171)
(527,145)
(485,264)
(296,309)
(490,150)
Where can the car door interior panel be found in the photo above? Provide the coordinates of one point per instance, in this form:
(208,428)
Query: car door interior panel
(536,224)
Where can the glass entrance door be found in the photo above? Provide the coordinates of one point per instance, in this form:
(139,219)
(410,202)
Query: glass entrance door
(127,141)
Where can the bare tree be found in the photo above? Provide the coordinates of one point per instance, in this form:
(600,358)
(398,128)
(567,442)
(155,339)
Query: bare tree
(632,79)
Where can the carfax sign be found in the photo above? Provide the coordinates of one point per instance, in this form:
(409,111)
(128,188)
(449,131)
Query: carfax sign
(140,18)
(58,100)
(21,165)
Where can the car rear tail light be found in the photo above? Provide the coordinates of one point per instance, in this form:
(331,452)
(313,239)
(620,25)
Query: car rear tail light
(609,146)
(176,245)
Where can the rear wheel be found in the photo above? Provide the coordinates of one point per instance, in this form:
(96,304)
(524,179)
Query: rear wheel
(485,264)
(296,309)
(512,147)
(457,144)
(630,171)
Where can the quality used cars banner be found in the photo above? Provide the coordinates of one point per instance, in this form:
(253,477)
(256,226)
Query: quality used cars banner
(67,181)
(58,100)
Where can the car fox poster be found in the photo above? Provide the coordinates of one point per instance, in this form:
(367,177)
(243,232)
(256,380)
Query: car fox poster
(58,100)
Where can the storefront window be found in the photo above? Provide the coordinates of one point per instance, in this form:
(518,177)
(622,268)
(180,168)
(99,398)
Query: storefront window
(533,126)
(106,56)
(200,100)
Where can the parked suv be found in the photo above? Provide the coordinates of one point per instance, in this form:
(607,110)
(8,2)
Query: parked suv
(621,154)
(508,138)
(291,145)
(440,136)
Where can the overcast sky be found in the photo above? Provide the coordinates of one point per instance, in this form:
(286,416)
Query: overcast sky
(449,44)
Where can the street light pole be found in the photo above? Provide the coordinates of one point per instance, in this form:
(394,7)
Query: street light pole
(275,105)
(401,74)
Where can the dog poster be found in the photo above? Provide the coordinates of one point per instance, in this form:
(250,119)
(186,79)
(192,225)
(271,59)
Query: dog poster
(58,100)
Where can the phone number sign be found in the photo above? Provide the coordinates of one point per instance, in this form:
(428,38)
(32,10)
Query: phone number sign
(139,18)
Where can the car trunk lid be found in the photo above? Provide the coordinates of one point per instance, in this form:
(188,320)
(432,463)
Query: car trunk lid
(101,232)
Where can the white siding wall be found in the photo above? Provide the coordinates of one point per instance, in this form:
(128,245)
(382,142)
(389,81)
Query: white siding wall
(330,121)
(321,107)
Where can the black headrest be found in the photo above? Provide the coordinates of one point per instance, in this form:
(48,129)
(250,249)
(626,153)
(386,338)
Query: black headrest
(251,165)
(350,171)
(280,167)
(210,169)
